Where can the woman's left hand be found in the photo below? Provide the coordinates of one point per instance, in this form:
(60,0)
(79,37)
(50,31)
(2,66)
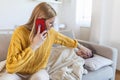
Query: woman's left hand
(85,51)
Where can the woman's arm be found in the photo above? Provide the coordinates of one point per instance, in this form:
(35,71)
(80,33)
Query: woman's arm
(64,40)
(17,58)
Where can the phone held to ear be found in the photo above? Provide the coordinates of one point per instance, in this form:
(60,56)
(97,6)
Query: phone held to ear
(40,23)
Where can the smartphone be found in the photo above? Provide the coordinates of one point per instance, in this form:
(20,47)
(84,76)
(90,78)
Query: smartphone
(40,23)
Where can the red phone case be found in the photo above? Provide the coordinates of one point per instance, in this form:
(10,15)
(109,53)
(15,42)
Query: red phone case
(41,23)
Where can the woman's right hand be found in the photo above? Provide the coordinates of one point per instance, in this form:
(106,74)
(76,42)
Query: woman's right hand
(38,39)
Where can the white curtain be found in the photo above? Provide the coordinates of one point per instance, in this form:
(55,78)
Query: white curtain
(105,24)
(83,12)
(105,21)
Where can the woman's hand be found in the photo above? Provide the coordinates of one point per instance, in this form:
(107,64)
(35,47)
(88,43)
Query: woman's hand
(84,52)
(38,39)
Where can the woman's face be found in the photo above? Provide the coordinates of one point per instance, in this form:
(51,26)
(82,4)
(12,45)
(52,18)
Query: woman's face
(49,23)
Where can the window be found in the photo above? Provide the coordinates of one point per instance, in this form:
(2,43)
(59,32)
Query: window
(84,12)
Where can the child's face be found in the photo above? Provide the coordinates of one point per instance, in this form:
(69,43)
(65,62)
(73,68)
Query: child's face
(83,55)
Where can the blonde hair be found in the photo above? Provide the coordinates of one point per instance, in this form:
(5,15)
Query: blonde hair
(43,10)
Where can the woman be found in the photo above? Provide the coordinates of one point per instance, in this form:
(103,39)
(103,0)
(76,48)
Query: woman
(29,49)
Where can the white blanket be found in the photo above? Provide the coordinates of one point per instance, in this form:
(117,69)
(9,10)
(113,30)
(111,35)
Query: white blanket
(2,67)
(64,64)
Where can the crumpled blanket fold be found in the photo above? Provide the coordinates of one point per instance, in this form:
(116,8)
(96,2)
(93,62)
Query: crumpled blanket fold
(64,64)
(2,67)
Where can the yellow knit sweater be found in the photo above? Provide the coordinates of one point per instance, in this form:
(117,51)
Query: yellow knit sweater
(22,59)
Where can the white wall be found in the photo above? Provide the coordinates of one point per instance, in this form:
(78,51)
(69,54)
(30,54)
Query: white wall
(68,16)
(84,33)
(16,12)
(116,22)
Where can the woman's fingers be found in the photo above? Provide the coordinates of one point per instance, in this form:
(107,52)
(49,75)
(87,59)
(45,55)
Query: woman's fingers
(44,36)
(87,52)
(90,53)
(44,32)
(38,31)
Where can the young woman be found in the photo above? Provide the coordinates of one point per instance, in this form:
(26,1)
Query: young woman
(29,49)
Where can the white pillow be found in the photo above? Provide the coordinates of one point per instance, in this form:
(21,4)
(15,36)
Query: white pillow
(97,62)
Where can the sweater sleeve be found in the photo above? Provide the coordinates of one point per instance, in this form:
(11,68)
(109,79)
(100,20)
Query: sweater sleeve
(64,40)
(17,57)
